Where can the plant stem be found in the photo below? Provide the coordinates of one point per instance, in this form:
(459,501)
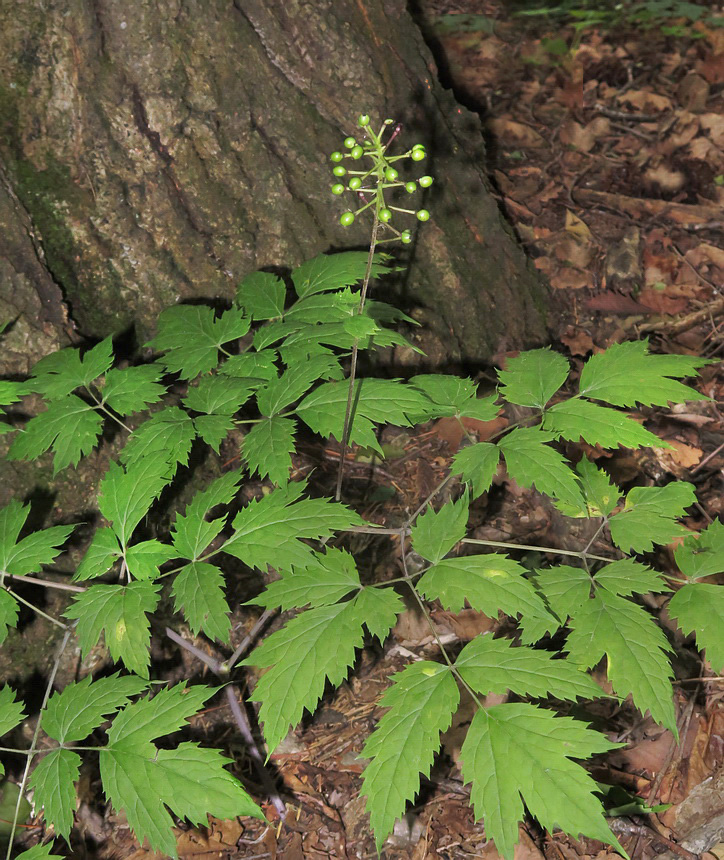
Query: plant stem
(353,361)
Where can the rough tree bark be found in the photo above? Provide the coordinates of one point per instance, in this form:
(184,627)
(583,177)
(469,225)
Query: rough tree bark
(161,149)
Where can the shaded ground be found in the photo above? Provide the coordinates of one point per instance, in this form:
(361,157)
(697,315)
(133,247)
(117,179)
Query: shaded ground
(610,163)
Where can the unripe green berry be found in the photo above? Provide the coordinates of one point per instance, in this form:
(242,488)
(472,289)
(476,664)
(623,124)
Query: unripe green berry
(411,187)
(363,120)
(425,181)
(346,219)
(354,183)
(422,215)
(389,121)
(357,152)
(349,142)
(336,156)
(391,174)
(385,215)
(417,154)
(338,188)
(406,237)
(418,146)
(338,170)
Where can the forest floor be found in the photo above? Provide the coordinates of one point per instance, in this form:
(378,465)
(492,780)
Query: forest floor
(608,161)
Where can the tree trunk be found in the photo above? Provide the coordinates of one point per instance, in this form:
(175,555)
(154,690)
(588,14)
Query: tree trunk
(162,149)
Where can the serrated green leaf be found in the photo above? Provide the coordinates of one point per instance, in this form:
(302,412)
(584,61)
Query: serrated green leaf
(191,532)
(198,590)
(254,368)
(268,447)
(380,608)
(318,308)
(221,395)
(59,373)
(626,374)
(517,753)
(293,383)
(703,554)
(614,627)
(70,427)
(142,780)
(127,493)
(698,608)
(272,332)
(627,577)
(11,392)
(144,559)
(649,516)
(375,400)
(29,554)
(531,462)
(119,612)
(100,556)
(477,464)
(191,336)
(72,714)
(165,436)
(448,393)
(53,784)
(436,532)
(422,700)
(533,377)
(601,495)
(213,429)
(333,271)
(315,646)
(262,295)
(133,388)
(269,531)
(328,578)
(493,666)
(8,613)
(598,425)
(11,711)
(565,588)
(489,583)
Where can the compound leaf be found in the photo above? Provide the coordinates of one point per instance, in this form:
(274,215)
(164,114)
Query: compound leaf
(165,436)
(262,295)
(127,493)
(270,530)
(30,553)
(380,608)
(649,516)
(493,666)
(598,425)
(133,388)
(213,429)
(100,556)
(220,395)
(8,613)
(314,647)
(11,711)
(532,462)
(626,374)
(119,612)
(144,559)
(53,783)
(601,495)
(703,554)
(40,852)
(477,464)
(191,533)
(325,580)
(69,426)
(191,336)
(436,532)
(198,590)
(489,583)
(627,577)
(422,700)
(611,626)
(333,272)
(518,753)
(59,373)
(533,377)
(72,714)
(698,607)
(453,395)
(565,588)
(268,448)
(253,368)
(142,779)
(289,387)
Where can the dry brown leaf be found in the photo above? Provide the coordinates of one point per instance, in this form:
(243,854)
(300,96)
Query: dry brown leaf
(577,340)
(682,455)
(714,124)
(645,101)
(514,133)
(584,138)
(662,302)
(574,252)
(567,278)
(576,226)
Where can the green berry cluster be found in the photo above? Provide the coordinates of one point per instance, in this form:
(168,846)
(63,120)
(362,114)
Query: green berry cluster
(378,178)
